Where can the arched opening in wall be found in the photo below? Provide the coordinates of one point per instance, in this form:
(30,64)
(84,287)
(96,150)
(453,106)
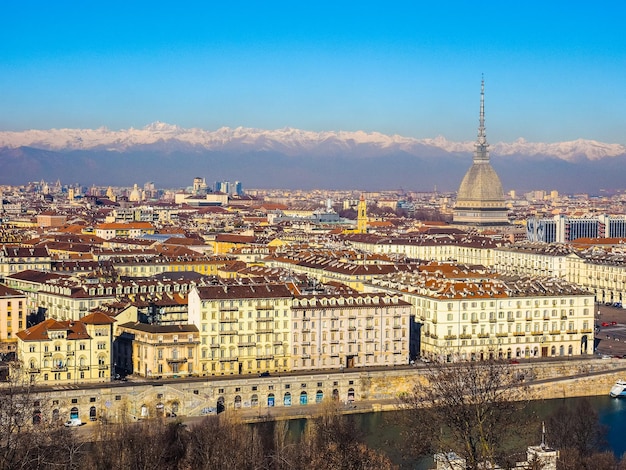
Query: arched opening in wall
(254,400)
(56,415)
(93,414)
(74,413)
(287,399)
(304,399)
(583,344)
(350,394)
(270,400)
(482,356)
(175,407)
(509,353)
(335,394)
(160,410)
(570,350)
(553,351)
(319,396)
(238,402)
(144,412)
(37,416)
(527,352)
(561,350)
(536,351)
(220,405)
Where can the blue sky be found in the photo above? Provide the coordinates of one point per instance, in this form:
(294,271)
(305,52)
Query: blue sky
(554,71)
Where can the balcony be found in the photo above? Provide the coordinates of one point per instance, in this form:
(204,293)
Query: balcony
(267,357)
(261,331)
(172,360)
(247,344)
(214,346)
(493,320)
(519,333)
(555,332)
(83,367)
(369,327)
(449,337)
(352,328)
(501,335)
(397,327)
(33,371)
(474,320)
(229,332)
(229,359)
(59,369)
(228,320)
(465,336)
(103,366)
(510,319)
(572,332)
(483,335)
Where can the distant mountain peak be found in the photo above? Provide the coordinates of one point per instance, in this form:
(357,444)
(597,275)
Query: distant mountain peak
(289,141)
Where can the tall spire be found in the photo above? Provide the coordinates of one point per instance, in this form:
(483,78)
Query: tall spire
(481,152)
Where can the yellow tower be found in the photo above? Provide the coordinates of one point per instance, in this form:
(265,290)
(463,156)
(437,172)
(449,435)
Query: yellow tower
(70,195)
(361,218)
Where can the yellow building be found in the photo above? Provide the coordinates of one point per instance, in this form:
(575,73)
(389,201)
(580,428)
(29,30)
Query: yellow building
(152,350)
(244,329)
(13,313)
(60,352)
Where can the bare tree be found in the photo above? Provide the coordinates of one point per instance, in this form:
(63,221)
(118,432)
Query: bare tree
(467,408)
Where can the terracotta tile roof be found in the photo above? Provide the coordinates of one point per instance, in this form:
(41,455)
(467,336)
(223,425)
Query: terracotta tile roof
(97,318)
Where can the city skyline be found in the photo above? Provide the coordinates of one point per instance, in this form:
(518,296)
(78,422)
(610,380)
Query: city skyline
(553,72)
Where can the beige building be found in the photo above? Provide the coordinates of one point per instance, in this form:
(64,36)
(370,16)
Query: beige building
(57,352)
(157,350)
(14,259)
(352,330)
(13,312)
(465,316)
(244,329)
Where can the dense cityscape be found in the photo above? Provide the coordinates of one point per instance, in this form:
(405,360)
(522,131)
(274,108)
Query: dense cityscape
(130,286)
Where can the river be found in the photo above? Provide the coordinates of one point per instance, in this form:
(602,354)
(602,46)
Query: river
(383,431)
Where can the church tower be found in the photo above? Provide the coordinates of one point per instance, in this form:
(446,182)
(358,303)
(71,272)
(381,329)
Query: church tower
(361,218)
(480,199)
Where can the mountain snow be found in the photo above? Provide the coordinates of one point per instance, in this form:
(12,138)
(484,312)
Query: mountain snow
(288,141)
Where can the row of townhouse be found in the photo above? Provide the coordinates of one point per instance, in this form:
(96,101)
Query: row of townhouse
(465,317)
(459,247)
(324,268)
(14,259)
(599,270)
(147,266)
(64,297)
(264,328)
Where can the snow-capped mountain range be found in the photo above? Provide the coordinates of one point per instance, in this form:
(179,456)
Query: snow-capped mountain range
(287,141)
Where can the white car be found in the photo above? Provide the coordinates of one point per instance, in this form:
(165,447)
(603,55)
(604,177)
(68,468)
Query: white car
(74,422)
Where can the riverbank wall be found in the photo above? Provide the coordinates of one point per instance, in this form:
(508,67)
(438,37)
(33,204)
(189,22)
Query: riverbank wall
(289,396)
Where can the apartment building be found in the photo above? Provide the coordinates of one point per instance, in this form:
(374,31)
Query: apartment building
(61,352)
(352,330)
(244,329)
(465,316)
(154,350)
(13,313)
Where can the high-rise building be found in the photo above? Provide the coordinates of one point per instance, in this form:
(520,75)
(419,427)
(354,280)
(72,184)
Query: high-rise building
(480,199)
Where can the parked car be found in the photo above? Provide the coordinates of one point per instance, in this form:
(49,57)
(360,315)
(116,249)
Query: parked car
(74,422)
(613,323)
(606,323)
